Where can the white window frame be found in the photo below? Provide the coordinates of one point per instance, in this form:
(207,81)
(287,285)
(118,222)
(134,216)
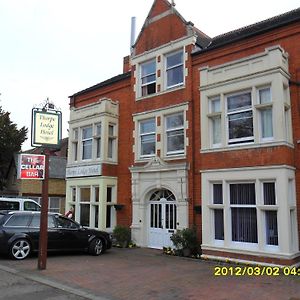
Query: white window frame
(173,67)
(213,116)
(111,140)
(146,134)
(262,107)
(142,85)
(84,140)
(170,130)
(244,109)
(75,151)
(98,140)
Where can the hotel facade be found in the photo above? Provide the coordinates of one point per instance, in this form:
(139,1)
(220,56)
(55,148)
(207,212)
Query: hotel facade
(196,131)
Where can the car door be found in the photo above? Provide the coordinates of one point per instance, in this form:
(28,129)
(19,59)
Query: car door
(53,236)
(72,235)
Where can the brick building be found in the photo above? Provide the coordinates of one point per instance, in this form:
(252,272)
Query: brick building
(196,131)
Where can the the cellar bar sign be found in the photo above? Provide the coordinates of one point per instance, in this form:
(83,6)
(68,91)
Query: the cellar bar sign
(31,166)
(46,128)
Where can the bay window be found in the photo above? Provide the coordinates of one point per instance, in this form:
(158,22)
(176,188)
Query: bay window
(174,69)
(245,205)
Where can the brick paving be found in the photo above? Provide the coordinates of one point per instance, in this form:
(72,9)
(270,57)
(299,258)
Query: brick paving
(148,274)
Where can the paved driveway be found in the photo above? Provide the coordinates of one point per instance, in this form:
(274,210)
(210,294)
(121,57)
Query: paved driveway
(148,274)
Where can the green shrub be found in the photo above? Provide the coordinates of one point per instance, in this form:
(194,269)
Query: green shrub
(122,236)
(186,240)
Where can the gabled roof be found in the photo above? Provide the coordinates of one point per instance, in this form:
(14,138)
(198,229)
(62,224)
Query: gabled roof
(252,30)
(162,6)
(104,83)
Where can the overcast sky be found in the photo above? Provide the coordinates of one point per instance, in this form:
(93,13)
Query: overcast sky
(55,48)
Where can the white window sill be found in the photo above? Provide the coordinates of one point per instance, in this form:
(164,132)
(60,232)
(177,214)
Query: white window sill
(171,89)
(247,146)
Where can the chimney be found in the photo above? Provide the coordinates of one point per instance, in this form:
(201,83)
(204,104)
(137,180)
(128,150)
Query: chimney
(126,64)
(132,34)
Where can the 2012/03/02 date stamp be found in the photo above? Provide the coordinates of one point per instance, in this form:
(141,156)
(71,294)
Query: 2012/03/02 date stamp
(255,271)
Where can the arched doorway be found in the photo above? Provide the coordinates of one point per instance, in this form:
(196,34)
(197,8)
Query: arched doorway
(162,218)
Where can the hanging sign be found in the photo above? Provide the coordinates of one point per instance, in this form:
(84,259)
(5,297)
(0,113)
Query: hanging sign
(31,166)
(45,128)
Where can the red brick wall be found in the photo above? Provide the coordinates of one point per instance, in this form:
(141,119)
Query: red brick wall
(122,92)
(153,36)
(288,38)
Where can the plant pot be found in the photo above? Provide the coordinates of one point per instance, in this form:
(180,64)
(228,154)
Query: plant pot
(186,252)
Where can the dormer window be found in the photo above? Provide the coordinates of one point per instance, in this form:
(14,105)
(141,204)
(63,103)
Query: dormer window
(148,78)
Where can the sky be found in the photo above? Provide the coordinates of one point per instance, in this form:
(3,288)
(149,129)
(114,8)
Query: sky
(55,48)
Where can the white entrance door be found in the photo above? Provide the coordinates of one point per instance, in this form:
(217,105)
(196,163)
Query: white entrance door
(162,216)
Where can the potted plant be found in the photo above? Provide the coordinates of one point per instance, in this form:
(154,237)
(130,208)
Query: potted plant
(122,236)
(185,241)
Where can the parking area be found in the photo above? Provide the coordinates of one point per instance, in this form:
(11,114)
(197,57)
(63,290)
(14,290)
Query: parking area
(141,273)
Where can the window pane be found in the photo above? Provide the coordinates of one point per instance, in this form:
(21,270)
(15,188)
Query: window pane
(175,121)
(98,146)
(174,59)
(265,96)
(108,216)
(266,123)
(109,194)
(244,225)
(242,193)
(271,228)
(87,149)
(174,69)
(75,134)
(269,193)
(85,215)
(175,76)
(239,101)
(84,195)
(111,130)
(98,129)
(219,224)
(240,125)
(216,130)
(87,133)
(215,105)
(18,220)
(96,191)
(148,68)
(110,148)
(147,126)
(217,193)
(148,144)
(175,140)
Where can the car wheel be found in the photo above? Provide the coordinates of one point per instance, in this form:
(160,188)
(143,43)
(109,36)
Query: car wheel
(20,249)
(96,247)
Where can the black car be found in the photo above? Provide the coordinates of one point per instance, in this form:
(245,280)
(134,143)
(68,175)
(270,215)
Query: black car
(20,231)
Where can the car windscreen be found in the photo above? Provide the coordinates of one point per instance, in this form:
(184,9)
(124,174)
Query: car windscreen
(9,205)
